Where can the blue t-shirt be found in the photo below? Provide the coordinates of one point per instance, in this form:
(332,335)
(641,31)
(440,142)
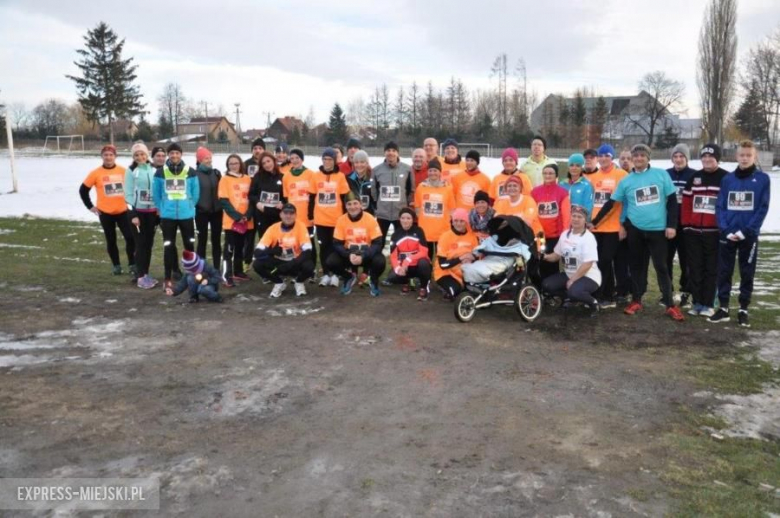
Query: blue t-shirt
(644,198)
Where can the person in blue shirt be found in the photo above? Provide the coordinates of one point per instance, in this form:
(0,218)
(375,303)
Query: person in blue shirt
(580,189)
(742,206)
(648,221)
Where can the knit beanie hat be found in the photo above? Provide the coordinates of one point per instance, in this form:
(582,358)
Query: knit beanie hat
(258,142)
(474,155)
(450,142)
(514,179)
(360,155)
(282,147)
(353,142)
(202,154)
(509,152)
(577,159)
(554,167)
(682,148)
(641,148)
(191,262)
(606,150)
(711,149)
(590,152)
(108,147)
(329,152)
(296,151)
(433,164)
(139,146)
(174,147)
(460,213)
(579,209)
(391,145)
(351,196)
(481,196)
(407,210)
(157,149)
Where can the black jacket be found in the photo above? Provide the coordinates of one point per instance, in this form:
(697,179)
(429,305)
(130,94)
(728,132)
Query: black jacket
(266,187)
(209,186)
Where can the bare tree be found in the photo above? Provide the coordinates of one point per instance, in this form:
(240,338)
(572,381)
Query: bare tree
(173,104)
(399,108)
(499,70)
(663,95)
(20,115)
(356,115)
(715,75)
(414,108)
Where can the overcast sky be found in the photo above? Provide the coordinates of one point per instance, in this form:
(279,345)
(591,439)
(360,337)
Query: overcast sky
(283,57)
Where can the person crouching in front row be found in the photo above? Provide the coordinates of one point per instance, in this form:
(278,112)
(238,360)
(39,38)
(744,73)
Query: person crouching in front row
(199,279)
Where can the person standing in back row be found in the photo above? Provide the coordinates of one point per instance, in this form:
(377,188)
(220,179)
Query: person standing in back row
(236,219)
(251,168)
(393,188)
(743,203)
(466,184)
(109,183)
(452,164)
(536,162)
(680,174)
(208,214)
(139,179)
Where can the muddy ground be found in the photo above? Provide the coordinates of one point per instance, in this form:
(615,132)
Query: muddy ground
(344,406)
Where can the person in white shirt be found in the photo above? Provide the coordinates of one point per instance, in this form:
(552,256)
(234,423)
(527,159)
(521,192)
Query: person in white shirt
(581,276)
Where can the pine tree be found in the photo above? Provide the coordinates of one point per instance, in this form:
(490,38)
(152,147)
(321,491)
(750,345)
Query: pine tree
(106,90)
(749,117)
(164,127)
(668,139)
(337,126)
(145,131)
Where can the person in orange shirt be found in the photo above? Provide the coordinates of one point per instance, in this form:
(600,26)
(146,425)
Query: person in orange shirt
(285,250)
(111,208)
(434,201)
(605,178)
(296,189)
(357,242)
(453,163)
(233,194)
(455,248)
(466,184)
(509,161)
(519,204)
(327,192)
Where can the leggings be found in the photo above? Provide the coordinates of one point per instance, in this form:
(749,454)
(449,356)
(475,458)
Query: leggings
(384,226)
(109,222)
(342,267)
(325,239)
(313,246)
(275,269)
(204,220)
(170,254)
(450,285)
(144,240)
(232,260)
(581,290)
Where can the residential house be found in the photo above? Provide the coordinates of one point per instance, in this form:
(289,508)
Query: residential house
(214,127)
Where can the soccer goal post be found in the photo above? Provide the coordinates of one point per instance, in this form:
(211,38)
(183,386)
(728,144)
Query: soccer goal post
(484,148)
(9,133)
(60,137)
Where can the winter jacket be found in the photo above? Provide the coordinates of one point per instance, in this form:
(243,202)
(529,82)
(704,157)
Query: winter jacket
(362,188)
(554,208)
(700,199)
(139,182)
(580,193)
(408,247)
(208,180)
(743,202)
(175,191)
(393,189)
(267,189)
(680,179)
(209,273)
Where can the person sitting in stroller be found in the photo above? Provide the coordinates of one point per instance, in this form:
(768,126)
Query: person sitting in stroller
(509,239)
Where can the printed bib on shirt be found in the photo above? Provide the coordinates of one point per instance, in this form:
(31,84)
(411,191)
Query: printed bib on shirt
(288,244)
(390,193)
(600,198)
(704,204)
(145,196)
(176,188)
(113,186)
(570,264)
(364,201)
(433,205)
(680,194)
(269,199)
(326,195)
(740,200)
(548,209)
(251,170)
(647,195)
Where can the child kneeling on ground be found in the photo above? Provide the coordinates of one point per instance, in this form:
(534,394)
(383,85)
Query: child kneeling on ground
(199,278)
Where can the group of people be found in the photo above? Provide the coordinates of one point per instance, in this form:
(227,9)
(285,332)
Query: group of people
(603,223)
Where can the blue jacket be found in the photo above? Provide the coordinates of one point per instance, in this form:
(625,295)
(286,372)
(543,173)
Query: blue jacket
(139,182)
(580,193)
(680,179)
(743,202)
(182,206)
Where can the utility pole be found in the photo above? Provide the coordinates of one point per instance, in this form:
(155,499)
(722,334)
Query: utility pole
(268,116)
(9,133)
(206,105)
(238,118)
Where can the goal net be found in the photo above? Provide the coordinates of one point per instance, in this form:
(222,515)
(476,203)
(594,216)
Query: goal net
(483,148)
(61,141)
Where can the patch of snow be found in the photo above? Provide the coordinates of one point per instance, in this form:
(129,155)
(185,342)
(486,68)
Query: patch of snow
(4,231)
(69,300)
(11,245)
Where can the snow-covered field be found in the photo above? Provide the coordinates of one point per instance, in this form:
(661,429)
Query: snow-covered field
(48,186)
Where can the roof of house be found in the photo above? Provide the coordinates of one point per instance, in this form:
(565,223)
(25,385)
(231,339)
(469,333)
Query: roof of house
(203,120)
(289,123)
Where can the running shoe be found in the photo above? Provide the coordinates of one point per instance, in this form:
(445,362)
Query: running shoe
(742,318)
(633,308)
(720,316)
(278,289)
(348,284)
(675,313)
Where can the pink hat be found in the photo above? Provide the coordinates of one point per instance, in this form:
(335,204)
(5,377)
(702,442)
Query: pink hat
(202,154)
(461,214)
(514,179)
(509,152)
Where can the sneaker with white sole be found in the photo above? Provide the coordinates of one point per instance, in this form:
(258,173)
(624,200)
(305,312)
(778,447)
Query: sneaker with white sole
(349,283)
(706,312)
(325,280)
(695,310)
(335,281)
(742,318)
(720,316)
(278,289)
(300,289)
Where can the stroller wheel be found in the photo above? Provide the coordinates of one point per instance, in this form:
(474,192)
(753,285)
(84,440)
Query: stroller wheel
(528,302)
(465,307)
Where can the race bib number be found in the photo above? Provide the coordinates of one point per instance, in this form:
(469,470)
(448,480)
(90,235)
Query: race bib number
(269,199)
(740,200)
(570,264)
(647,195)
(326,199)
(364,201)
(679,195)
(113,186)
(145,196)
(390,193)
(287,244)
(176,188)
(548,209)
(600,198)
(704,204)
(434,209)
(251,170)
(357,237)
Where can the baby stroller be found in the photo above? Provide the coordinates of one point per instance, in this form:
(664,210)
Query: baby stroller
(518,281)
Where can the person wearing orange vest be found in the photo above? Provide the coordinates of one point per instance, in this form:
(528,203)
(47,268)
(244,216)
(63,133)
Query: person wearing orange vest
(554,213)
(466,184)
(497,186)
(453,164)
(455,248)
(285,250)
(237,219)
(434,201)
(111,208)
(520,205)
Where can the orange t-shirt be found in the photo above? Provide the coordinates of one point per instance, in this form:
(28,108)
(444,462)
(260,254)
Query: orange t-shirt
(604,184)
(327,200)
(450,246)
(236,190)
(434,206)
(291,241)
(110,187)
(465,186)
(448,171)
(358,233)
(296,190)
(525,208)
(496,191)
(285,169)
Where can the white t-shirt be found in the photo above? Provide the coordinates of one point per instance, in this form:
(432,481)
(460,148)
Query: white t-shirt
(576,249)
